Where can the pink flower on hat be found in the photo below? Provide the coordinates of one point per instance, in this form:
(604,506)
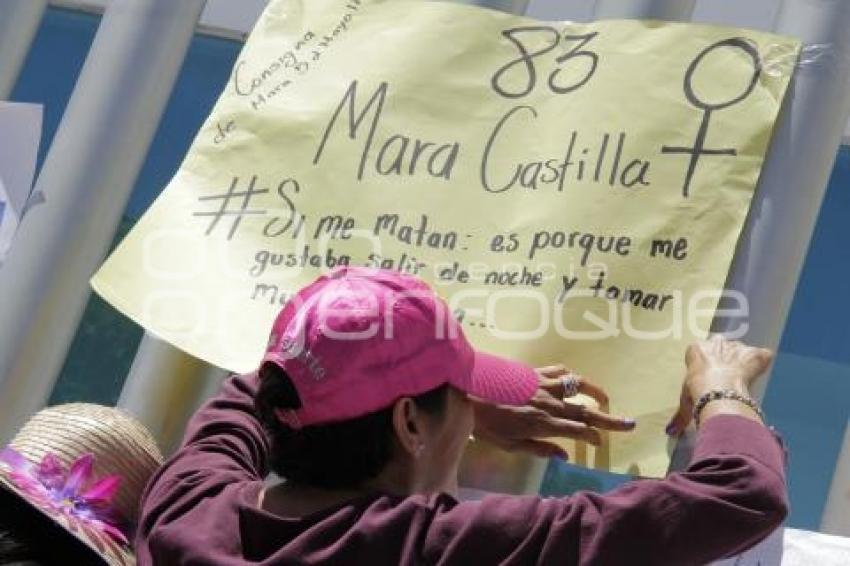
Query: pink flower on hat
(70,492)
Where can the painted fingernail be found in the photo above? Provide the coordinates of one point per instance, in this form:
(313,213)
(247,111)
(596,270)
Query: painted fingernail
(629,422)
(670,428)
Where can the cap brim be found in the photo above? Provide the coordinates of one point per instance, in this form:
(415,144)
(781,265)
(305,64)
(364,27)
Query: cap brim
(502,381)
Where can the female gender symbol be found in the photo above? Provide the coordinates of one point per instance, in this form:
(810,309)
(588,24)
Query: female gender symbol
(699,148)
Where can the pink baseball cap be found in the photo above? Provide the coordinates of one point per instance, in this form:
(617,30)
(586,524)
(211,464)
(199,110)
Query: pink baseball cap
(357,339)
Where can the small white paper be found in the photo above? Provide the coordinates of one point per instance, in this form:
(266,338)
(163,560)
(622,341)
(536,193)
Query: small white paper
(20,135)
(792,547)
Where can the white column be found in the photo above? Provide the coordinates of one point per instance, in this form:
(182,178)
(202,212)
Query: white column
(777,233)
(164,387)
(836,514)
(672,10)
(19,20)
(88,175)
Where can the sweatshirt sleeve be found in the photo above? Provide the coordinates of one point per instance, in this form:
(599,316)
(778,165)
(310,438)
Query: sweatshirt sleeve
(224,443)
(731,496)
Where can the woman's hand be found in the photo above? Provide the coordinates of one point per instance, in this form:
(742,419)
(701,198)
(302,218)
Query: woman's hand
(547,415)
(717,363)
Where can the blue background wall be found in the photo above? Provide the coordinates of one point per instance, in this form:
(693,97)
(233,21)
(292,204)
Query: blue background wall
(106,342)
(809,395)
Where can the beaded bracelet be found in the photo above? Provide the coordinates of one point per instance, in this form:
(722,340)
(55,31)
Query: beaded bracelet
(729,394)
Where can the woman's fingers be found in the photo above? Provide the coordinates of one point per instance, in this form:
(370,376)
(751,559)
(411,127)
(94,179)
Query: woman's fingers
(552,371)
(596,418)
(553,386)
(552,382)
(581,413)
(556,418)
(549,426)
(594,391)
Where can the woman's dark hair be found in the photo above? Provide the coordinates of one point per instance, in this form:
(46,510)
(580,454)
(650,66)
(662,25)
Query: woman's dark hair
(15,550)
(336,455)
(29,537)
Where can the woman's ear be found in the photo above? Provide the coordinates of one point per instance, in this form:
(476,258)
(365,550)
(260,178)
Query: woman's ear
(409,429)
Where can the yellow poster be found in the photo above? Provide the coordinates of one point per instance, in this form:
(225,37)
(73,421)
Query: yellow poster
(575,191)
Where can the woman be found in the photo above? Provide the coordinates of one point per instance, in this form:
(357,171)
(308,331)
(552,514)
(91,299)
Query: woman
(368,394)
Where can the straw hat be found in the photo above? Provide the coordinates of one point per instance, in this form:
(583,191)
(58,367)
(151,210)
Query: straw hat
(84,466)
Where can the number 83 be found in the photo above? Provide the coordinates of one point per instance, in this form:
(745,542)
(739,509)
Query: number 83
(525,63)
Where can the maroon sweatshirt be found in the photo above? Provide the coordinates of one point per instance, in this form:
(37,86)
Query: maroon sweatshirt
(201,508)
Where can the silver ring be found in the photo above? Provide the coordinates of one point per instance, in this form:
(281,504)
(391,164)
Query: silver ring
(571,384)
